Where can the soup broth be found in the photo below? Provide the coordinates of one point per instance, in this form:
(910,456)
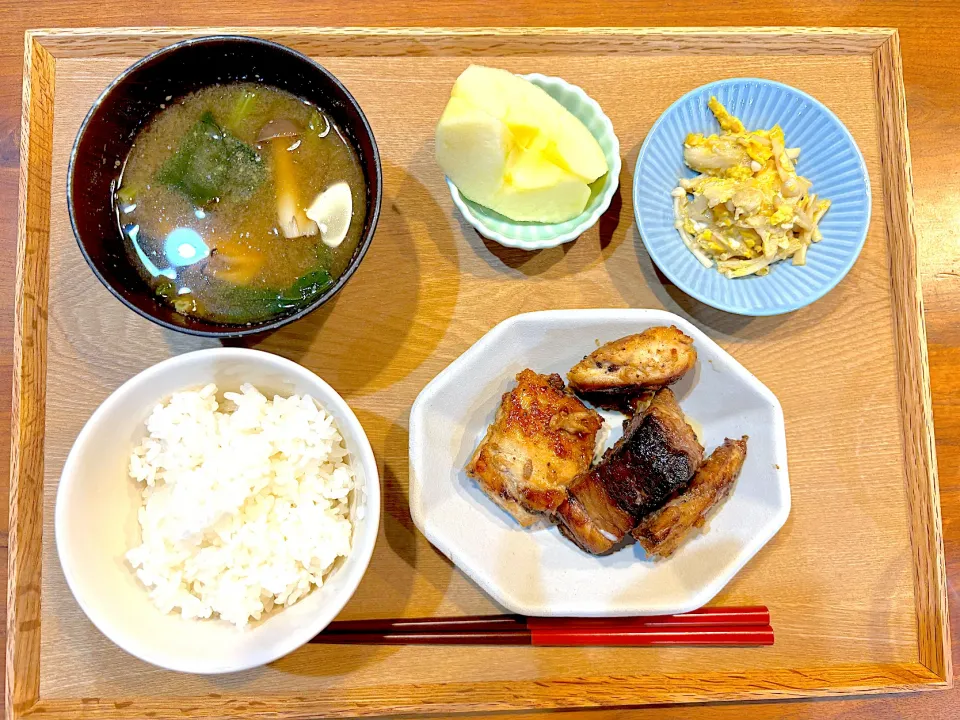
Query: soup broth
(241,202)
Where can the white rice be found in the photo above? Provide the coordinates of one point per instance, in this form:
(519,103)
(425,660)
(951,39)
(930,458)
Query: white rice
(242,511)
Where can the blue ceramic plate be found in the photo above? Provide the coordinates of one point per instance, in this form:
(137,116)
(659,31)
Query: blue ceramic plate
(829,157)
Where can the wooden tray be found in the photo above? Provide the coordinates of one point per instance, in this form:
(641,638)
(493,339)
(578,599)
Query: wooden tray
(855,580)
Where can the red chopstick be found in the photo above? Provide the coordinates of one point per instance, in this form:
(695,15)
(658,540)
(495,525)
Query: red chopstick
(707,626)
(733,616)
(752,616)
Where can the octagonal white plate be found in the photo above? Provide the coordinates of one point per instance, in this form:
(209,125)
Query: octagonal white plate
(538,572)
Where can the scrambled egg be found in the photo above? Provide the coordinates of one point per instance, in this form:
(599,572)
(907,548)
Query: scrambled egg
(749,207)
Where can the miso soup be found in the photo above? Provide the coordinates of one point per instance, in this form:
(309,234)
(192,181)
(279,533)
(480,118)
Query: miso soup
(241,202)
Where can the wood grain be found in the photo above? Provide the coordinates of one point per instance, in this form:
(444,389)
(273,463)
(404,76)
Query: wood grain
(601,692)
(926,532)
(937,260)
(420,242)
(29,386)
(485,41)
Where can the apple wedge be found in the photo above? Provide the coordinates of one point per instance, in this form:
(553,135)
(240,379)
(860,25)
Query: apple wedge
(507,145)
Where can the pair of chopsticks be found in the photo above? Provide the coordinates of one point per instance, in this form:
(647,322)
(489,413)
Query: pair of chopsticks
(708,626)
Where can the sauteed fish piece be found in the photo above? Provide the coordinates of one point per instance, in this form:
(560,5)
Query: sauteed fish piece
(632,365)
(590,518)
(656,456)
(541,439)
(661,532)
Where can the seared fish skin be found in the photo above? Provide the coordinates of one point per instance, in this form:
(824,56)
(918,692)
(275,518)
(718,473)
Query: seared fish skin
(649,360)
(662,532)
(656,456)
(541,439)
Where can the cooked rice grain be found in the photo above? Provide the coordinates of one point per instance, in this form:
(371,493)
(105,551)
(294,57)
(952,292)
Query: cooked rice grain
(242,511)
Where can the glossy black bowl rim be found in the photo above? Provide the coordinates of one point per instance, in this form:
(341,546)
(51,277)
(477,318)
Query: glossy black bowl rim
(235,331)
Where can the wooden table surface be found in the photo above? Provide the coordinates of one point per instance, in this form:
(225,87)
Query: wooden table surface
(930,45)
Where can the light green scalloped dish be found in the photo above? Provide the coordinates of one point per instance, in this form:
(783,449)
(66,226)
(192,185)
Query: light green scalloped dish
(537,236)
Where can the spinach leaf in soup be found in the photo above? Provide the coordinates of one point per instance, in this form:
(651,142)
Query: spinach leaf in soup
(210,164)
(240,303)
(303,290)
(306,288)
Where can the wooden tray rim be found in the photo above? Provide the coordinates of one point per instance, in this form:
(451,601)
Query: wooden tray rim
(933,668)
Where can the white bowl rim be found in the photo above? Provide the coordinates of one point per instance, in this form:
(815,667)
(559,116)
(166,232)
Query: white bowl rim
(361,550)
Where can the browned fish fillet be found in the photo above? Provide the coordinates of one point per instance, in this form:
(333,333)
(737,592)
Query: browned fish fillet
(649,360)
(598,529)
(656,456)
(541,439)
(661,532)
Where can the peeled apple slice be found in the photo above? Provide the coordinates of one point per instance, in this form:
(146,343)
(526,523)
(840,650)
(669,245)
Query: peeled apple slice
(525,109)
(540,192)
(507,145)
(472,148)
(332,211)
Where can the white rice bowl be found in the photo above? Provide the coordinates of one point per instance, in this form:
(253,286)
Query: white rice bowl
(96,522)
(245,508)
